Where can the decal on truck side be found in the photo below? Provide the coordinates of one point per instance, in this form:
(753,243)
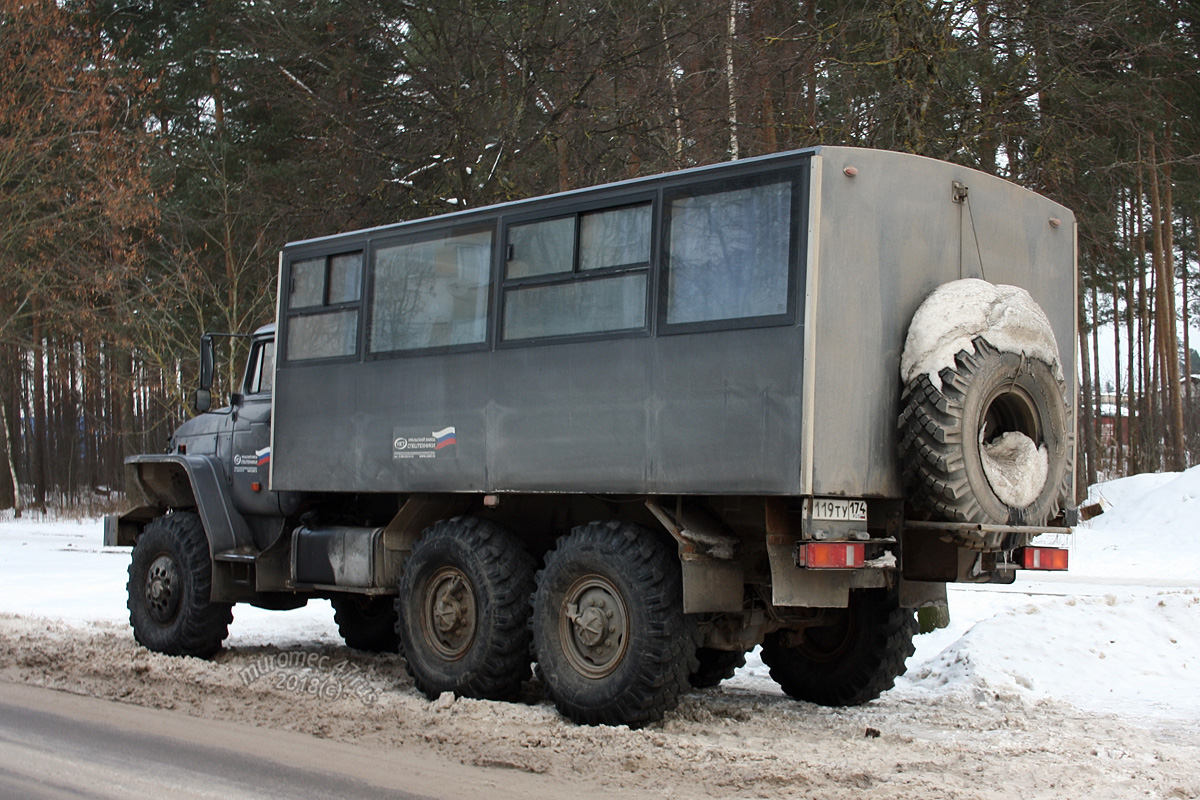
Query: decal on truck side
(407,443)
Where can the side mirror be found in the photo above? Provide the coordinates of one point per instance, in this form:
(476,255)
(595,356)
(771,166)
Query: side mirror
(206,362)
(202,401)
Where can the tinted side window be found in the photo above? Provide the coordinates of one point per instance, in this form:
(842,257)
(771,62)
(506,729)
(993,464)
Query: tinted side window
(431,292)
(262,369)
(541,248)
(729,253)
(614,238)
(560,309)
(579,274)
(324,299)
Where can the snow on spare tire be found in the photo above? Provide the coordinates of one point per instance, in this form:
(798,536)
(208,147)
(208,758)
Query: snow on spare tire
(984,433)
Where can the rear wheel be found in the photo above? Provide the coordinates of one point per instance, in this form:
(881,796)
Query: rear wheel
(463,610)
(715,666)
(170,581)
(367,623)
(609,632)
(850,661)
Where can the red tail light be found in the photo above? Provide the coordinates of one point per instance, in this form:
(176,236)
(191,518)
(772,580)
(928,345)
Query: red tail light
(832,555)
(1044,558)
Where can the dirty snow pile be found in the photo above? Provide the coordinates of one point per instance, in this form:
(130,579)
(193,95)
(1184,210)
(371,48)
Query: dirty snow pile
(956,312)
(1119,633)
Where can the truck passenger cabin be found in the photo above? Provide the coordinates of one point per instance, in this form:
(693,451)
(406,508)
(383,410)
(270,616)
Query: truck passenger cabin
(630,432)
(642,338)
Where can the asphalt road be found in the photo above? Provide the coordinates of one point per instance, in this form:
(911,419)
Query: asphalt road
(58,745)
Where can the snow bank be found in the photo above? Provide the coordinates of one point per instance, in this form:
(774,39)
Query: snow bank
(58,569)
(1113,654)
(956,312)
(1150,530)
(1132,648)
(1113,493)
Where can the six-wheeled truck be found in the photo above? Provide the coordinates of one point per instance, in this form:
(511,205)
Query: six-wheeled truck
(630,432)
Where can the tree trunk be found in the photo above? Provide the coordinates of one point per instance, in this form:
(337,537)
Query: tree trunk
(1166,343)
(1118,415)
(124,390)
(730,82)
(1097,388)
(10,487)
(1089,439)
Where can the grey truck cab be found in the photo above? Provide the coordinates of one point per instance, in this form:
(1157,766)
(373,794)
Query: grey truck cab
(630,432)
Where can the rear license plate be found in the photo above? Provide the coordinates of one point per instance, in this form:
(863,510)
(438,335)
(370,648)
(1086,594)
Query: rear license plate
(828,508)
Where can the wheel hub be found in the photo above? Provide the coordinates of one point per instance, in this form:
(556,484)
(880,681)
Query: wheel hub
(162,589)
(594,626)
(450,615)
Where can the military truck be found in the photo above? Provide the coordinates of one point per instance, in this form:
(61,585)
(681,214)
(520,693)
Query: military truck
(630,432)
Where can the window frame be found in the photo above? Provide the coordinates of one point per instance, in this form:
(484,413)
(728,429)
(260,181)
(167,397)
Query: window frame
(426,234)
(649,198)
(797,178)
(327,254)
(254,367)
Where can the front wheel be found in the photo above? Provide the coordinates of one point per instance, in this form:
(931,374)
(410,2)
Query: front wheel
(463,610)
(850,661)
(170,581)
(609,632)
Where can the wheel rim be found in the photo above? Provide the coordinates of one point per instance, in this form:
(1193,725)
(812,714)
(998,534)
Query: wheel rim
(1009,409)
(449,613)
(163,589)
(594,626)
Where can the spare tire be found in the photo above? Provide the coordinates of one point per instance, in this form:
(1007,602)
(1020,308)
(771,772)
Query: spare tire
(946,435)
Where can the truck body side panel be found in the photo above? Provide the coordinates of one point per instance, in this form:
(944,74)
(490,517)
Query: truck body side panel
(693,413)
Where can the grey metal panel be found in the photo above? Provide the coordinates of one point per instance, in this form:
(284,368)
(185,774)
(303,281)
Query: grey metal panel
(715,412)
(888,237)
(226,528)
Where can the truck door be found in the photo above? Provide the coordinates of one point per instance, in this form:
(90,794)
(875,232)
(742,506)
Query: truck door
(252,434)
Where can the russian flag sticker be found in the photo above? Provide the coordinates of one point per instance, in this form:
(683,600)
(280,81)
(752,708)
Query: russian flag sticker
(264,456)
(444,437)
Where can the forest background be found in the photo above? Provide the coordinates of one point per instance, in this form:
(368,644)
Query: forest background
(155,155)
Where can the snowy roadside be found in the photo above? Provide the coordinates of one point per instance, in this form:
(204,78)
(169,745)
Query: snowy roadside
(1117,638)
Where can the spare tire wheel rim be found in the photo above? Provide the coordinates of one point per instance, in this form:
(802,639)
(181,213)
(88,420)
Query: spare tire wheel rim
(1010,411)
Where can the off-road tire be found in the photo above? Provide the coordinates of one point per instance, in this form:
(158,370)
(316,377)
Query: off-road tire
(626,579)
(940,429)
(847,663)
(715,666)
(170,582)
(367,623)
(463,610)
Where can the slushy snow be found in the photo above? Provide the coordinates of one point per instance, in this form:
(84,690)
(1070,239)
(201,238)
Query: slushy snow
(956,312)
(1118,634)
